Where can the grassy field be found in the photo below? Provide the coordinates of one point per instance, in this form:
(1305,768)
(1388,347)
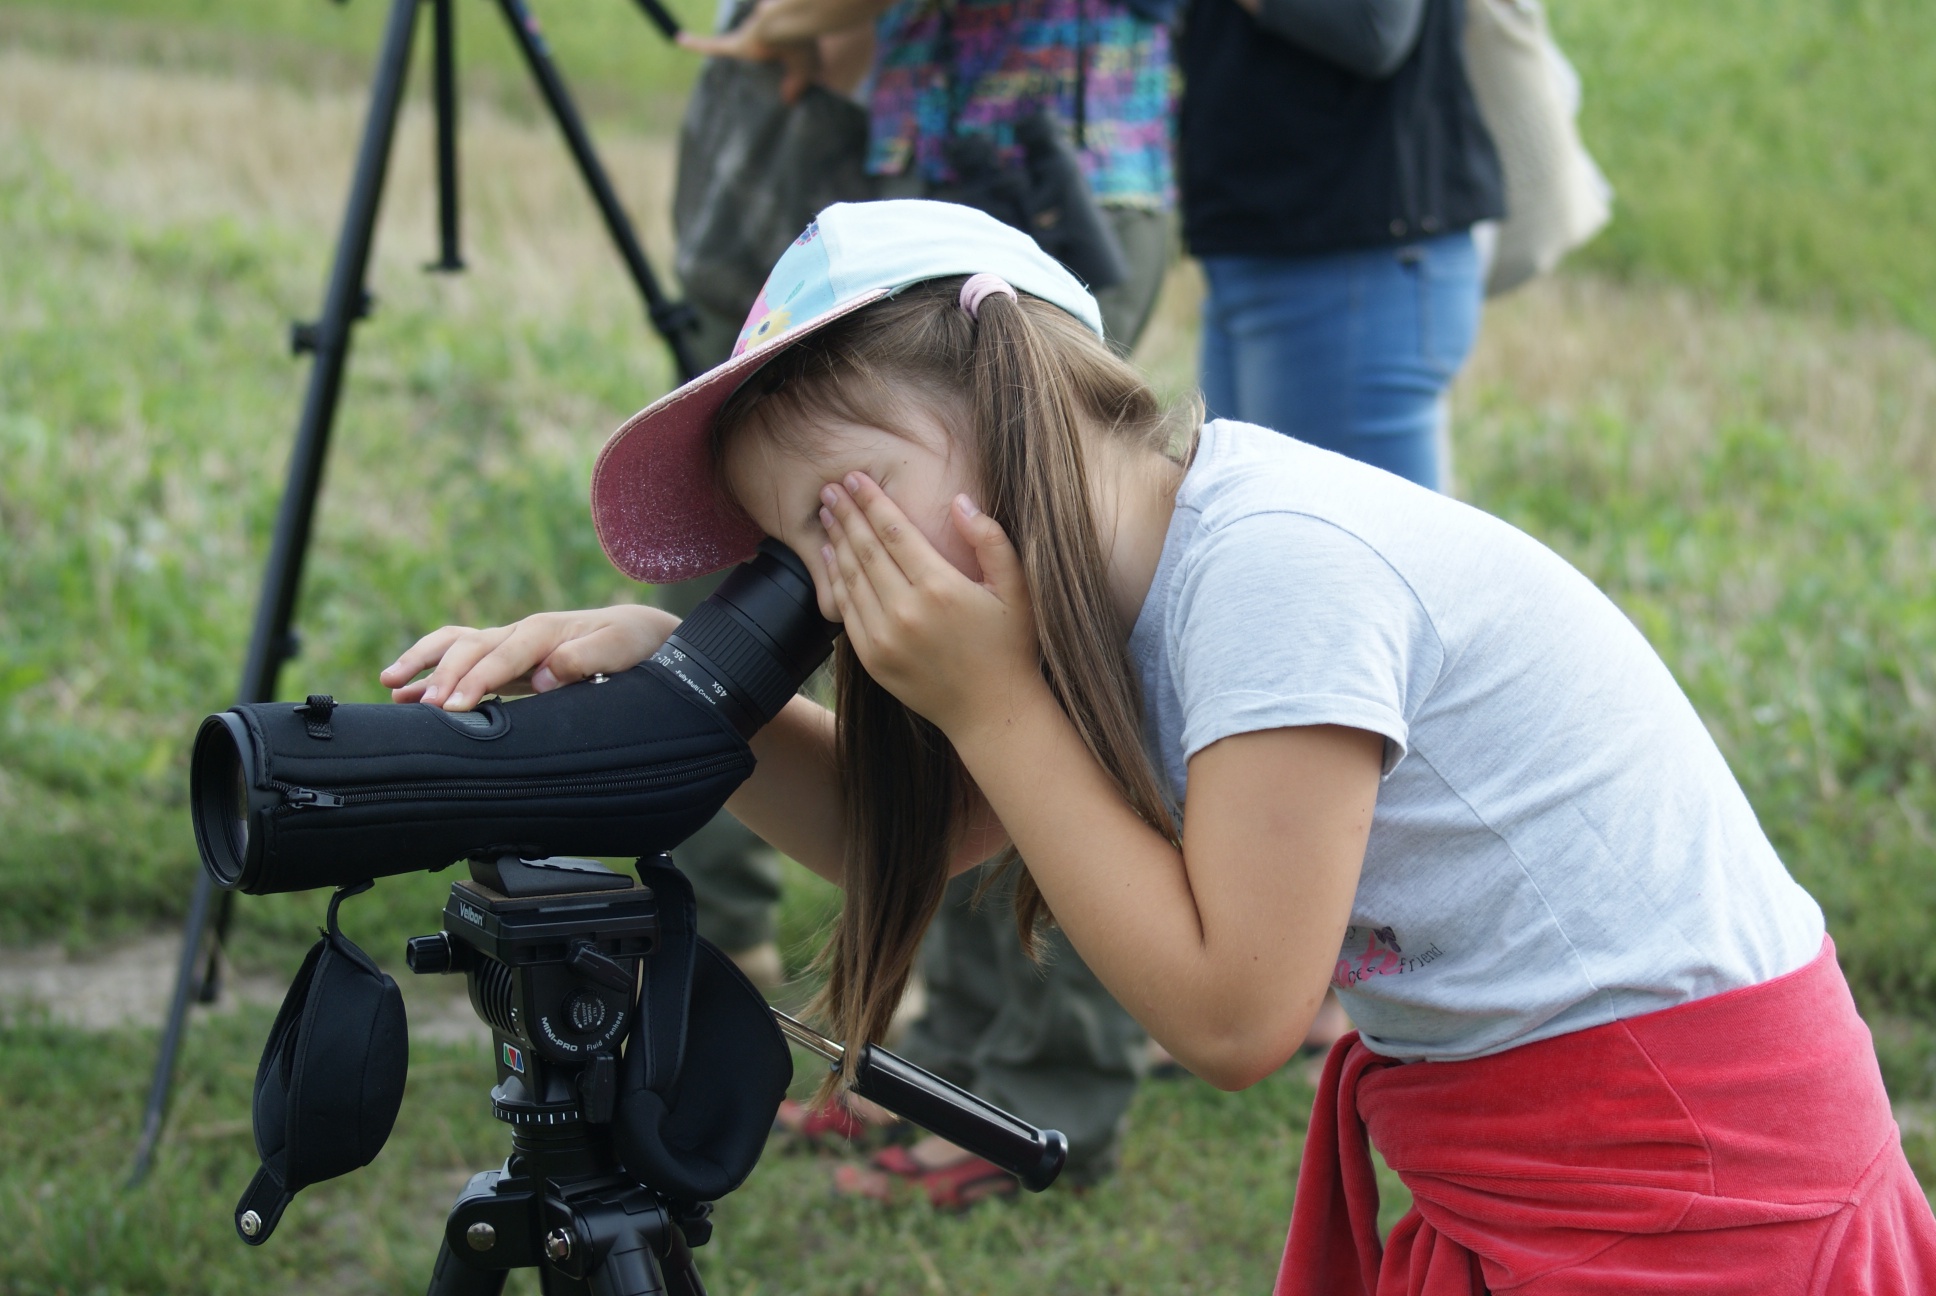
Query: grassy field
(1726,416)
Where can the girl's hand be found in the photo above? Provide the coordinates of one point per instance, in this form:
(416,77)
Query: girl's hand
(536,655)
(955,650)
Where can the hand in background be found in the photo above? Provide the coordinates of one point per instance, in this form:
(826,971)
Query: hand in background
(799,60)
(824,42)
(534,655)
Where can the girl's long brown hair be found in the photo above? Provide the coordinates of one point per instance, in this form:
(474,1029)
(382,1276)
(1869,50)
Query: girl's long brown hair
(1021,380)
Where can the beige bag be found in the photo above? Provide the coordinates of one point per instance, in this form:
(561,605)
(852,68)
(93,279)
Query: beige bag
(1529,95)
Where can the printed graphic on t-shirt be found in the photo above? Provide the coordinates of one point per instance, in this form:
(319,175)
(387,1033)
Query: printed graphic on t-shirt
(1375,952)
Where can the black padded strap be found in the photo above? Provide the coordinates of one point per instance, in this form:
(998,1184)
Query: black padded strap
(699,1139)
(331,1076)
(657,1049)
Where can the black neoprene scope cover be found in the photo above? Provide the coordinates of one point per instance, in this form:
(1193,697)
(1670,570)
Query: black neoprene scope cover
(331,1077)
(289,797)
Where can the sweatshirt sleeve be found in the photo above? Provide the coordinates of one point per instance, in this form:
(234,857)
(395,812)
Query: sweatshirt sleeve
(1368,37)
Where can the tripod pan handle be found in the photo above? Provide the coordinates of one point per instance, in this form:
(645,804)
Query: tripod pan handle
(1035,1156)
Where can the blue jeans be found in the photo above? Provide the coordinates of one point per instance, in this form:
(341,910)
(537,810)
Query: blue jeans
(1351,351)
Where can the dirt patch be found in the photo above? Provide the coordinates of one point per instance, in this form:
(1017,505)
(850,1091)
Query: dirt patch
(131,984)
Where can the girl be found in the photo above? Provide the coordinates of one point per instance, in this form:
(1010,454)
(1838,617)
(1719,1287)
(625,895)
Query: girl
(1258,721)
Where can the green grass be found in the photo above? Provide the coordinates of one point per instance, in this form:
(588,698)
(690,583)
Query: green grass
(146,405)
(1756,486)
(1822,699)
(1781,148)
(614,61)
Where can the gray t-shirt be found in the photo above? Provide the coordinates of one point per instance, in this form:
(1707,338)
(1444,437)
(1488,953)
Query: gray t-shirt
(1557,842)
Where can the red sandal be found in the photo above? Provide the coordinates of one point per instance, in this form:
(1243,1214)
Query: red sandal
(960,1186)
(950,1188)
(828,1125)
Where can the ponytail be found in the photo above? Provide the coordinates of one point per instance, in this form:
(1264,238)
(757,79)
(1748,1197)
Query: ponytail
(1025,377)
(1032,468)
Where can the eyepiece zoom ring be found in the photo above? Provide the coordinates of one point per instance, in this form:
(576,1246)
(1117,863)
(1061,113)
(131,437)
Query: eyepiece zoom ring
(740,656)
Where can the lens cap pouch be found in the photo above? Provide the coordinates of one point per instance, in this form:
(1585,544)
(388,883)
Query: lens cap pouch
(695,1106)
(331,1078)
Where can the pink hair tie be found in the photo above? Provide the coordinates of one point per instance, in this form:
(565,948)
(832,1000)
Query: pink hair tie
(980,288)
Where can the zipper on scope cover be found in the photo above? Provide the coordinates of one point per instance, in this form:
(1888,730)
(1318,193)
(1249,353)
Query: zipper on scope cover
(302,796)
(309,798)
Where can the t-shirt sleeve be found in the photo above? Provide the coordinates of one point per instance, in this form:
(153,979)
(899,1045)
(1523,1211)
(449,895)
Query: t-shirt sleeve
(1282,620)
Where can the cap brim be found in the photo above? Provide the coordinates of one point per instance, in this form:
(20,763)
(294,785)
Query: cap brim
(656,504)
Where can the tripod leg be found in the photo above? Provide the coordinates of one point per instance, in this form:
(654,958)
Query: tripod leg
(443,29)
(171,1034)
(209,988)
(630,1269)
(553,1283)
(452,1277)
(673,320)
(681,1273)
(270,641)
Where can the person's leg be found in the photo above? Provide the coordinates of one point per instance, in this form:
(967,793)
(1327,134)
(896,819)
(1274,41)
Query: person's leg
(1045,1042)
(1061,1053)
(1416,317)
(735,876)
(1351,351)
(1145,235)
(963,996)
(1217,356)
(1286,342)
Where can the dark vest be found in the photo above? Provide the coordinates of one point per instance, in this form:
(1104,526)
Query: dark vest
(1286,153)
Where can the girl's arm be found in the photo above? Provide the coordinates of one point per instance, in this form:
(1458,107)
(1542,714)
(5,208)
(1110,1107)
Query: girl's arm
(1222,949)
(792,799)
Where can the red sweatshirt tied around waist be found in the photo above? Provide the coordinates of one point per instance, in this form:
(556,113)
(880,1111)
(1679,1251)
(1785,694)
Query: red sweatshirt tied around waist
(1737,1144)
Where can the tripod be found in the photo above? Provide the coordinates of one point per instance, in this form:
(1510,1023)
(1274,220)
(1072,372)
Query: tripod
(346,300)
(562,1204)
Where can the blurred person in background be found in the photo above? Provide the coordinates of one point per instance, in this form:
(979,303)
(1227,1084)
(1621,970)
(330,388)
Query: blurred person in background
(1045,1041)
(1334,166)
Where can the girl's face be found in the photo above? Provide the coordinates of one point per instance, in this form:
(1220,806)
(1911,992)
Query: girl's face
(918,464)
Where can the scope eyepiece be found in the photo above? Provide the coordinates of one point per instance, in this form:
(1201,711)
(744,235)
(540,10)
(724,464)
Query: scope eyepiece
(749,647)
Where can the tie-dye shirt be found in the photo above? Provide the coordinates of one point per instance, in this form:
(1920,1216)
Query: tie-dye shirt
(1012,56)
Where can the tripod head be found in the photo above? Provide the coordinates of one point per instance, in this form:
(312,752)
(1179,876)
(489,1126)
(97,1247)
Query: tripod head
(550,949)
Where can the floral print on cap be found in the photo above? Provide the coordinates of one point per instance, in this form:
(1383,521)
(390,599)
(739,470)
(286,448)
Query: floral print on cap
(799,290)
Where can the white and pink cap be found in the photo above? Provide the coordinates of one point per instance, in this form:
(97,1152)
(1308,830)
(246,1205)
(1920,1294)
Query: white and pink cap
(659,515)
